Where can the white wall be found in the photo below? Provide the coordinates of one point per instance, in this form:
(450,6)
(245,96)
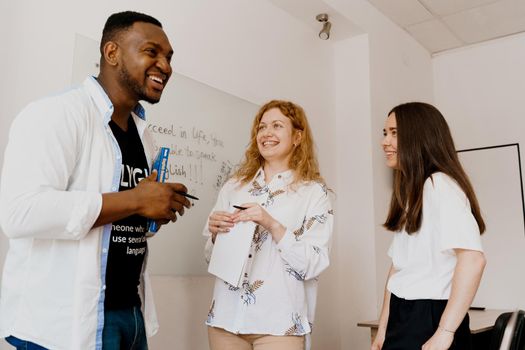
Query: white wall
(480,91)
(400,70)
(355,208)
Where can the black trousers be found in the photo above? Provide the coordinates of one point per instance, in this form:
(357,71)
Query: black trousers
(412,322)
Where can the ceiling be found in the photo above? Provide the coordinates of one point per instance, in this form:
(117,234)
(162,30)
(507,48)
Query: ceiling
(441,25)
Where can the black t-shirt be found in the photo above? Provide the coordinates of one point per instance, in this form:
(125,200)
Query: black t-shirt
(127,246)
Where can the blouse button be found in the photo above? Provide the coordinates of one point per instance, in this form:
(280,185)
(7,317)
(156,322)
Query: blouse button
(245,275)
(249,256)
(279,176)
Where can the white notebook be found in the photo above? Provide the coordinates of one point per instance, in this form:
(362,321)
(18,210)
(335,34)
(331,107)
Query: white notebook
(230,252)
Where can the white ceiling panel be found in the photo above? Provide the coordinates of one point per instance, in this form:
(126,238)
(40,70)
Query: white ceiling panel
(447,7)
(455,23)
(434,36)
(490,21)
(403,12)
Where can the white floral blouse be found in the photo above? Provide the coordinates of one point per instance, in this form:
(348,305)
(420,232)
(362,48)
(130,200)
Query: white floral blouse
(279,287)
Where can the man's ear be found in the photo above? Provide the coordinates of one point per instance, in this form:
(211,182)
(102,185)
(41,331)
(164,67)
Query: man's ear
(111,53)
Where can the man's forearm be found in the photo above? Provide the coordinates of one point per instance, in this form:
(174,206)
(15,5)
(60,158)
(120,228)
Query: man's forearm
(117,206)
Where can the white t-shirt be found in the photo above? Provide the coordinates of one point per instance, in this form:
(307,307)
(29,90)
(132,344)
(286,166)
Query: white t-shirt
(425,260)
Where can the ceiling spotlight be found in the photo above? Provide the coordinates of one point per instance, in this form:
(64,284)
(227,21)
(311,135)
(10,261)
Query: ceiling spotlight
(324,34)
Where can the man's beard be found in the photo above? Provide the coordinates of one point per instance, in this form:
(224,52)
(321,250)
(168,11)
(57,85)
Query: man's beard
(139,90)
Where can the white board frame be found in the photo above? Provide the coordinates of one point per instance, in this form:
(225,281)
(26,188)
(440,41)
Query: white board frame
(496,175)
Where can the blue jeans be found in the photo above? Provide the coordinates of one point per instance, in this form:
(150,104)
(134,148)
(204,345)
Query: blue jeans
(20,344)
(124,330)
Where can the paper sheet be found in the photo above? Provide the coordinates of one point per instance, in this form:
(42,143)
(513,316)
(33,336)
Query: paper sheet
(230,253)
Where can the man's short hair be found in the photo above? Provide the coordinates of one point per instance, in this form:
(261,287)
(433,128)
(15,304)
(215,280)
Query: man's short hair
(122,21)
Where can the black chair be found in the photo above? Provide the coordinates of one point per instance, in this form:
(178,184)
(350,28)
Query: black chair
(514,324)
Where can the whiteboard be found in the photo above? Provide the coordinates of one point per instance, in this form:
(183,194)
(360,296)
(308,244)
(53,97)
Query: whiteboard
(496,177)
(207,131)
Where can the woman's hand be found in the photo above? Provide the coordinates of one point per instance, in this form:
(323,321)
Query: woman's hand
(377,344)
(441,340)
(219,222)
(255,213)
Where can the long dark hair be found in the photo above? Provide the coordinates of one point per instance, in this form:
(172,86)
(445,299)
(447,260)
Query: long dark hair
(424,147)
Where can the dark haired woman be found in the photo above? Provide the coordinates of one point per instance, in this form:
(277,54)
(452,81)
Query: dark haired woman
(437,258)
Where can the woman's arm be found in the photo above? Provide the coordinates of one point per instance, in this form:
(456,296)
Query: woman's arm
(465,282)
(383,318)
